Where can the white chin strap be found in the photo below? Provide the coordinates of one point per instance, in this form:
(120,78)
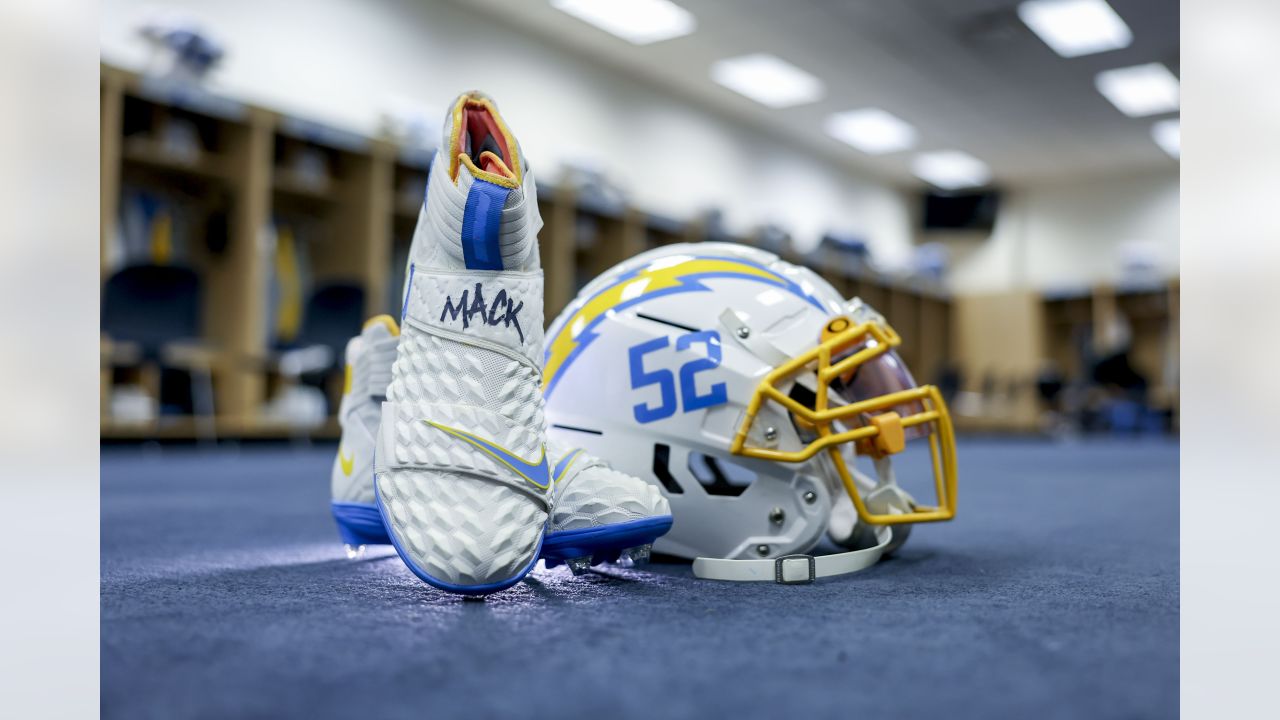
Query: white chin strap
(794,569)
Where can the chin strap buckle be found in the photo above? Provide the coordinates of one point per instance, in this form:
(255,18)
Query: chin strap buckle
(795,569)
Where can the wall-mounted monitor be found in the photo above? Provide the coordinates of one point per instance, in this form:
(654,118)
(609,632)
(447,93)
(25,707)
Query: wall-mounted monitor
(973,211)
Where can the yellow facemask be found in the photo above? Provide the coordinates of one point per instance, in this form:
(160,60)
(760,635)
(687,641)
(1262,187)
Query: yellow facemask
(877,425)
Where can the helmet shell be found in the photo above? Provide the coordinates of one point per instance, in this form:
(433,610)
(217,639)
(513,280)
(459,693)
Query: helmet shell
(650,367)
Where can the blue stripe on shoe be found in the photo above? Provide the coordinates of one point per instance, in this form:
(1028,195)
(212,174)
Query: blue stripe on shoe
(481,225)
(408,288)
(565,544)
(565,462)
(359,524)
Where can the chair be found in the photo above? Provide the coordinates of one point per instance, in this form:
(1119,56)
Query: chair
(151,313)
(331,316)
(152,305)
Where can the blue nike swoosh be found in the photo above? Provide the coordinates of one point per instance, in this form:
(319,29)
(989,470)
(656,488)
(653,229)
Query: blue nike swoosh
(565,462)
(536,473)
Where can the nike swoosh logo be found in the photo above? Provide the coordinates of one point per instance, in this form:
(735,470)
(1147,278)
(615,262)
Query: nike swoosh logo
(348,463)
(536,473)
(563,466)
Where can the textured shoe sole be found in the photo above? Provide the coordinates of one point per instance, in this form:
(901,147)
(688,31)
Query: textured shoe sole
(602,543)
(363,525)
(463,526)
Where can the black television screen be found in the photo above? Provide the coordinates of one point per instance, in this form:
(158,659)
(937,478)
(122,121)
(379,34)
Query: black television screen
(960,211)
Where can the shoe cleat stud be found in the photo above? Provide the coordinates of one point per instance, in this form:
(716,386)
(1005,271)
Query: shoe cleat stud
(636,556)
(580,565)
(354,552)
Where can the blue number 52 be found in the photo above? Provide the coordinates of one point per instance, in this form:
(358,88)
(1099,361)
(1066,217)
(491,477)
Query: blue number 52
(640,378)
(666,381)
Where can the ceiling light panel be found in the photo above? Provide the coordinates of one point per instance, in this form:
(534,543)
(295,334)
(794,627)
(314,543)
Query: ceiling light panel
(769,80)
(871,130)
(1168,135)
(1140,90)
(951,169)
(639,22)
(1076,27)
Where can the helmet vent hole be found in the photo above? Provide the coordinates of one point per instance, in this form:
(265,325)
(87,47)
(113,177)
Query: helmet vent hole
(720,477)
(662,469)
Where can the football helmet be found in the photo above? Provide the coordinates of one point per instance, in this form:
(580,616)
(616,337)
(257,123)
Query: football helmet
(745,387)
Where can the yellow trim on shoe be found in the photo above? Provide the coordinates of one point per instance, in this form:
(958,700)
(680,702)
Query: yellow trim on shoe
(539,468)
(385,320)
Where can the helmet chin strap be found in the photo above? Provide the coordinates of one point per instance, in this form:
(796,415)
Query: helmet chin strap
(884,497)
(795,569)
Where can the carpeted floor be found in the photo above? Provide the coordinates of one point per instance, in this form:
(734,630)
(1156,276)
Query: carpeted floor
(225,593)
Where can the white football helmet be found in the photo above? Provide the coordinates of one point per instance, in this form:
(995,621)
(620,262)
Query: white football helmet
(744,386)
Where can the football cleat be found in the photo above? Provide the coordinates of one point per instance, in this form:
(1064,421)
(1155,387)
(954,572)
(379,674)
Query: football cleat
(462,473)
(601,515)
(369,356)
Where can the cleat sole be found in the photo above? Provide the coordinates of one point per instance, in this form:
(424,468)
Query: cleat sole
(603,543)
(359,524)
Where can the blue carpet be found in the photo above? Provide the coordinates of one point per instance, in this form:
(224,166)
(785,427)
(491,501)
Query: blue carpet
(225,593)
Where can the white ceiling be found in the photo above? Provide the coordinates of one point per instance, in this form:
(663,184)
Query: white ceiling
(967,73)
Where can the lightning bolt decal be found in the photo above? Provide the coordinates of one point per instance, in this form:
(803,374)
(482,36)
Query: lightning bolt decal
(669,275)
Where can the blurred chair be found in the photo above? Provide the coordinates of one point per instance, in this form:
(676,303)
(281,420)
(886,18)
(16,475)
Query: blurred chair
(930,261)
(151,315)
(852,246)
(1124,392)
(774,238)
(332,314)
(840,252)
(949,380)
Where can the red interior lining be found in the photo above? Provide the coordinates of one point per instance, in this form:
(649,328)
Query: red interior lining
(478,122)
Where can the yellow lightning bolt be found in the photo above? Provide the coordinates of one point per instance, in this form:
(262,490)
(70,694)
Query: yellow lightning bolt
(664,274)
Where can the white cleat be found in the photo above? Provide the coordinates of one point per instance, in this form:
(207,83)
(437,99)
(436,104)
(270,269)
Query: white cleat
(463,478)
(600,512)
(369,357)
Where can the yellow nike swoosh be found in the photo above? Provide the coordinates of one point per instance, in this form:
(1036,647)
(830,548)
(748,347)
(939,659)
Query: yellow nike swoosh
(348,463)
(536,473)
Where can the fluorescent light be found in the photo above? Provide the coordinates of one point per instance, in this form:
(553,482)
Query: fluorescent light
(1076,27)
(768,80)
(871,130)
(951,169)
(1140,90)
(639,22)
(1168,135)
